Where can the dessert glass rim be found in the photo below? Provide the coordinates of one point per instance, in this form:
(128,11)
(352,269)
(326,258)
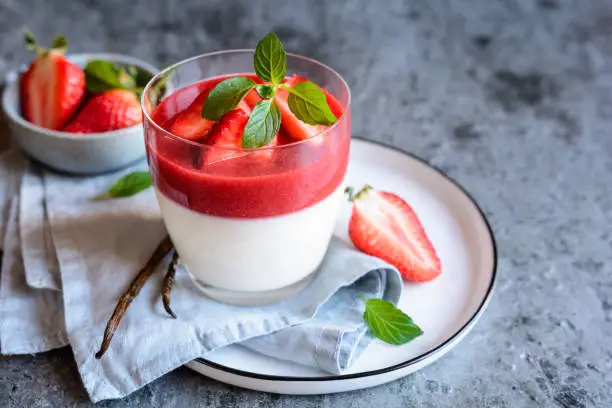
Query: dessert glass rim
(161,74)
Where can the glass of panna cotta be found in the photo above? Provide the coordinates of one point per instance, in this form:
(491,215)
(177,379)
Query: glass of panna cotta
(251,226)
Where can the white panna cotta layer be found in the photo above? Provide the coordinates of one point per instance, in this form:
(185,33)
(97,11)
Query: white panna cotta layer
(251,254)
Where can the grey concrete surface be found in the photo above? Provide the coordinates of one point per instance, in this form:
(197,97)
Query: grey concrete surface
(511,98)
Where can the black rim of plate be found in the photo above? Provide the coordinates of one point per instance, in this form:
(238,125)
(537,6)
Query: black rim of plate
(471,321)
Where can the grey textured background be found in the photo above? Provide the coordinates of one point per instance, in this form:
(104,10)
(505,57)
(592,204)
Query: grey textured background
(511,98)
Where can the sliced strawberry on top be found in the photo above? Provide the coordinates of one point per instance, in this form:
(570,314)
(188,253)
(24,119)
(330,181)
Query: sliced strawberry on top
(252,98)
(227,132)
(385,226)
(52,88)
(190,124)
(294,127)
(245,107)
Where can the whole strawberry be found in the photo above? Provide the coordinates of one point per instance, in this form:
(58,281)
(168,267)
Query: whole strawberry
(385,226)
(109,110)
(114,101)
(52,88)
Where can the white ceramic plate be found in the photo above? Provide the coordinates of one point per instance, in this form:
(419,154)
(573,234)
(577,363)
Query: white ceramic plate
(446,308)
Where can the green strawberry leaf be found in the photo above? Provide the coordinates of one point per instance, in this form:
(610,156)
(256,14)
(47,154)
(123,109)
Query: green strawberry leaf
(30,40)
(59,43)
(127,76)
(270,59)
(262,126)
(309,104)
(388,323)
(103,75)
(128,185)
(141,76)
(225,96)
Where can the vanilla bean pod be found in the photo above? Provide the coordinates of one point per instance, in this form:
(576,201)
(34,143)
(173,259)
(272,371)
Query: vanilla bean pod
(124,301)
(169,282)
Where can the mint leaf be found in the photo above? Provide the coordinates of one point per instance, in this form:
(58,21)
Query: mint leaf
(128,185)
(309,104)
(266,91)
(103,75)
(270,59)
(262,126)
(225,96)
(388,323)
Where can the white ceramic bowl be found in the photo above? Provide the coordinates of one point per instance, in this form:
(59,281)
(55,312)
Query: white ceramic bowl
(75,153)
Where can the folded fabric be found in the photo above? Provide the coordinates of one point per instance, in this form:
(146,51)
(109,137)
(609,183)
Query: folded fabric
(31,321)
(12,165)
(37,249)
(100,245)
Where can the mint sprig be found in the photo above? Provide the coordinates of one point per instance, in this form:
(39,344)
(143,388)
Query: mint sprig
(128,185)
(306,100)
(388,323)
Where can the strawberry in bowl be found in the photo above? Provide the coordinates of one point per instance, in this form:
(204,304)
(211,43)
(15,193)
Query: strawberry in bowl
(110,110)
(77,113)
(52,88)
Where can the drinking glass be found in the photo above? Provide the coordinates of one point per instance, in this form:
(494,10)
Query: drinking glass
(252,227)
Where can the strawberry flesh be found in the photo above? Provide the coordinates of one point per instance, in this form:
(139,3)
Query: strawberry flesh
(226,133)
(252,98)
(190,124)
(385,226)
(51,90)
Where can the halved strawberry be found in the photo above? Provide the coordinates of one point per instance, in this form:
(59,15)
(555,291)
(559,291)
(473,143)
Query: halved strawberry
(52,88)
(385,226)
(294,127)
(109,110)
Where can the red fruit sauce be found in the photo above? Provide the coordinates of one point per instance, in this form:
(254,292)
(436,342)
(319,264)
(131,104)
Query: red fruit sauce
(254,183)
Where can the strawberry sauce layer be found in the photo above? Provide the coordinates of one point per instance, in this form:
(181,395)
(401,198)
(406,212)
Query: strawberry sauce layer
(250,183)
